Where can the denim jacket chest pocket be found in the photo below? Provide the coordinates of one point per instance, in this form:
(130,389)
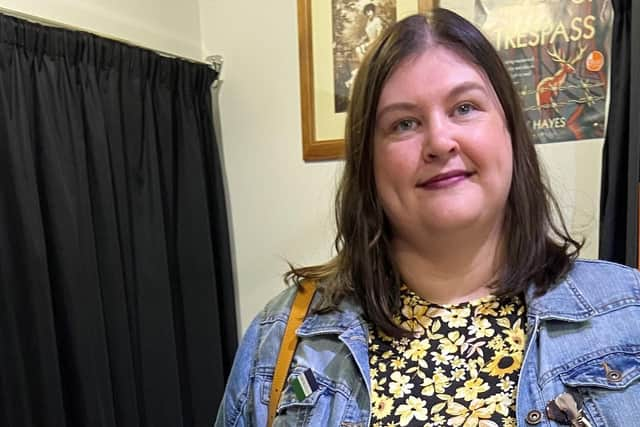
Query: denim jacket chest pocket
(609,386)
(329,404)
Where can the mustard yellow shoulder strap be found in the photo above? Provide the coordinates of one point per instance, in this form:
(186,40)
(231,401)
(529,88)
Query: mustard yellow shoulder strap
(299,310)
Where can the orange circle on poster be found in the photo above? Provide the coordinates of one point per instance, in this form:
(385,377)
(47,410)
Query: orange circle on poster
(595,61)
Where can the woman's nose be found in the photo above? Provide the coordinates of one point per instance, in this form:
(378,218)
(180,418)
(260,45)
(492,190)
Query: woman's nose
(439,142)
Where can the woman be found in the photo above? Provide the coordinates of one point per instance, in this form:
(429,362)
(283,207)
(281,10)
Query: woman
(372,30)
(454,299)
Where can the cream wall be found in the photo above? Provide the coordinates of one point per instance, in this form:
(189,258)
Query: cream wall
(164,25)
(280,206)
(574,170)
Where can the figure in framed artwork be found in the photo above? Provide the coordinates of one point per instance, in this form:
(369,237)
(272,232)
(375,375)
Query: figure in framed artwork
(356,25)
(372,30)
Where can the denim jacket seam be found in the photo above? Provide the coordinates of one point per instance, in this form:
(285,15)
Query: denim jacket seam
(319,332)
(530,369)
(585,358)
(235,416)
(597,416)
(618,304)
(564,316)
(588,307)
(274,318)
(338,328)
(581,316)
(636,289)
(601,309)
(254,363)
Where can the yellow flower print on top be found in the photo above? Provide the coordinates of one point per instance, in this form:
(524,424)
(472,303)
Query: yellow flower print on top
(414,408)
(436,384)
(488,308)
(459,366)
(506,309)
(451,343)
(496,343)
(382,406)
(476,414)
(417,350)
(505,384)
(398,363)
(471,389)
(440,358)
(481,328)
(515,336)
(503,363)
(456,318)
(400,385)
(503,402)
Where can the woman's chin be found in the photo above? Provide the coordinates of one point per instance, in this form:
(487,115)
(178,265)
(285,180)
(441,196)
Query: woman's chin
(451,222)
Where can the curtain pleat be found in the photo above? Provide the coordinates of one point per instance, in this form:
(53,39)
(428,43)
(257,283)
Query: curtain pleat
(116,293)
(621,153)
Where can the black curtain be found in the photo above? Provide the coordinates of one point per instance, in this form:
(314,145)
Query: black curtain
(116,299)
(621,156)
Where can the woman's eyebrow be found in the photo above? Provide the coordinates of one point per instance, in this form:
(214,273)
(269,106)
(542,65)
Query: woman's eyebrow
(457,90)
(467,87)
(403,106)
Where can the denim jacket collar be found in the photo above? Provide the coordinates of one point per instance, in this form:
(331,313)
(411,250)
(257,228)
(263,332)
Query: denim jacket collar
(347,317)
(566,301)
(563,302)
(583,294)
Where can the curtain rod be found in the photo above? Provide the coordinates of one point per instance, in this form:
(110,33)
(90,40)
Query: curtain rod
(213,61)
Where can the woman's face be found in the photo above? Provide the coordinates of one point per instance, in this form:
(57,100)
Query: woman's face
(442,154)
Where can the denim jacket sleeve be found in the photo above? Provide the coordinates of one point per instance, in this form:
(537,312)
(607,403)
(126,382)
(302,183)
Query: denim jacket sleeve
(332,347)
(234,409)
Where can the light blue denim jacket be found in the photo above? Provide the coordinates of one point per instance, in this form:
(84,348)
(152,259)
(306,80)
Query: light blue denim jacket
(583,336)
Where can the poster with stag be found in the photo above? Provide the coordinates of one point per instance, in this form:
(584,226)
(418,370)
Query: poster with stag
(558,53)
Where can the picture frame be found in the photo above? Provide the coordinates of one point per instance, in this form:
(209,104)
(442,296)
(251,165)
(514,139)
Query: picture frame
(325,74)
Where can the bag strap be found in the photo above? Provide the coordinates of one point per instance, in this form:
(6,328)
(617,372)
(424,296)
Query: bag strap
(299,309)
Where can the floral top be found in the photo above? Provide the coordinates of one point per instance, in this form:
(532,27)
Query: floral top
(460,368)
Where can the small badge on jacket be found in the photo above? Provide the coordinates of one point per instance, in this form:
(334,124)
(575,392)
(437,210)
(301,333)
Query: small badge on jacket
(304,384)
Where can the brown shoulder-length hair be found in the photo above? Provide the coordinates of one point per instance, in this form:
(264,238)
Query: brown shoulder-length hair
(539,249)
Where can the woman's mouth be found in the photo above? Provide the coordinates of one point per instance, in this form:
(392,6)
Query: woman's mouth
(445,180)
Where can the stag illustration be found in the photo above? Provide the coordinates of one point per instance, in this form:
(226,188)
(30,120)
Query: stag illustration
(549,87)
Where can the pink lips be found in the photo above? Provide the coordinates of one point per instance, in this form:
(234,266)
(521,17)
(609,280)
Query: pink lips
(444,180)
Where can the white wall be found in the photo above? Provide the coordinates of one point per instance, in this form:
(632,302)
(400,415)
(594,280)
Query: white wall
(280,206)
(165,25)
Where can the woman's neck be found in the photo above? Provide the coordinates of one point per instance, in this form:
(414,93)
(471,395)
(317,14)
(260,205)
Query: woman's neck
(450,270)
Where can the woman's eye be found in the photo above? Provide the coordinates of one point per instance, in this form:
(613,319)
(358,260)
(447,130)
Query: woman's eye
(464,109)
(405,125)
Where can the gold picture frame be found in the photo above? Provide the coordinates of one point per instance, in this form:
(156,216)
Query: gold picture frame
(322,126)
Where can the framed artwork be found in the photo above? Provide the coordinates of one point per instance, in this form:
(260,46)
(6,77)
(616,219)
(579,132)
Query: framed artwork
(333,36)
(558,54)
